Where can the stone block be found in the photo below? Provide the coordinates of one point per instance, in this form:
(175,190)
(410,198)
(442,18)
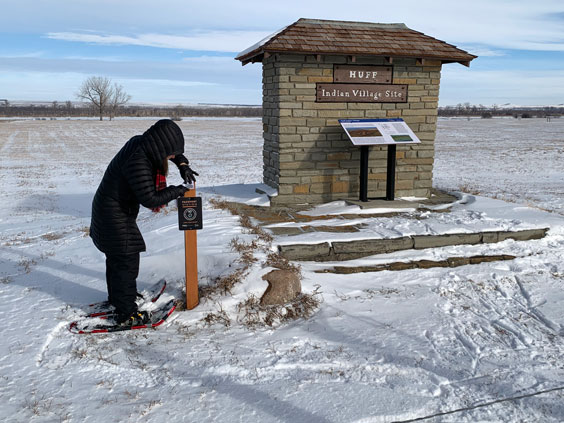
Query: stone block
(420,112)
(490,237)
(340,186)
(285,189)
(310,71)
(339,156)
(433,241)
(283,287)
(306,85)
(305,98)
(304,113)
(314,137)
(301,189)
(304,251)
(525,235)
(370,247)
(423,183)
(287,130)
(393,113)
(320,188)
(298,78)
(405,81)
(314,79)
(297,165)
(290,105)
(375,113)
(345,113)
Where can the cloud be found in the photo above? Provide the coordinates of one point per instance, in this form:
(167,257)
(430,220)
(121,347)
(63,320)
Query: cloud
(204,69)
(224,41)
(29,54)
(482,51)
(169,82)
(233,26)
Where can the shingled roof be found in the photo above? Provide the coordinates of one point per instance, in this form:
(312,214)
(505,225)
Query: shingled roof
(314,36)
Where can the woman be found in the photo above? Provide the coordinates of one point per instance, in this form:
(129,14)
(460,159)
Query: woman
(129,181)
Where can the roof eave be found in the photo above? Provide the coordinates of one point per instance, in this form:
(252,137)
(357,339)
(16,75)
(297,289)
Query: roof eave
(258,55)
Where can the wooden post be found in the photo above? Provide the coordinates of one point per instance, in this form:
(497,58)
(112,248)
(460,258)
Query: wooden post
(191,261)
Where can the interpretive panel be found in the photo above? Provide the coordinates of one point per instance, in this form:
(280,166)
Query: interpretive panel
(378,131)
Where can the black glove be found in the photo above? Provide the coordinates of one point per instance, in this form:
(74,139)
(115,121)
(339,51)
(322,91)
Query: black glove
(179,190)
(187,174)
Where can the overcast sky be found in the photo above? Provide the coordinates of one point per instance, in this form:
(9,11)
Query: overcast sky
(182,51)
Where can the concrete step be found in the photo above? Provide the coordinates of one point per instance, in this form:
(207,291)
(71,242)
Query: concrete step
(349,250)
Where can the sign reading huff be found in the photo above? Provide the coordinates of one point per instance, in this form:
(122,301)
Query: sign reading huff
(363,74)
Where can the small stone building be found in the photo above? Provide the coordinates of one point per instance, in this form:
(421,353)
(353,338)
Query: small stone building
(316,72)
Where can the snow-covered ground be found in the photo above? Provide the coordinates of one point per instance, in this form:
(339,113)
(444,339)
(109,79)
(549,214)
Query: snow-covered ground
(479,342)
(519,160)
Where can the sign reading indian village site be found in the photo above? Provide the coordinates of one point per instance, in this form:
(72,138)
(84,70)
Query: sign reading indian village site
(362,93)
(363,74)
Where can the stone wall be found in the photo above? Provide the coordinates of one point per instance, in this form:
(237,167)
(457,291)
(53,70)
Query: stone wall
(307,155)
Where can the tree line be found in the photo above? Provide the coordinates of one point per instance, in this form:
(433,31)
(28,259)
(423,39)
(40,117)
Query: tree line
(467,109)
(58,109)
(75,110)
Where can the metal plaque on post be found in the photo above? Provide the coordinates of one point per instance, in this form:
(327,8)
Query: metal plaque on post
(189,213)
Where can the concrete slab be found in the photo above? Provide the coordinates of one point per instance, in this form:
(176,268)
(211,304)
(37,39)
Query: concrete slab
(384,204)
(437,198)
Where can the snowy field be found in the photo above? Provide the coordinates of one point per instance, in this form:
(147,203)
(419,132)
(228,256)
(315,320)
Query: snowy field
(473,343)
(520,160)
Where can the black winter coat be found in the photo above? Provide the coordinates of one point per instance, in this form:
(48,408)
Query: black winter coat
(129,181)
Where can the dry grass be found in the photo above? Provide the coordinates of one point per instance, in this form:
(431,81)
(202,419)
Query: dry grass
(244,220)
(222,285)
(26,264)
(219,317)
(247,223)
(223,205)
(470,189)
(253,314)
(53,236)
(280,262)
(85,230)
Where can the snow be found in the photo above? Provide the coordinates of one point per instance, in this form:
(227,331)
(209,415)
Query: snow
(259,43)
(486,340)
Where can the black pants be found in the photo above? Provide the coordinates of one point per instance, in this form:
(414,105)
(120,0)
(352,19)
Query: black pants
(121,276)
